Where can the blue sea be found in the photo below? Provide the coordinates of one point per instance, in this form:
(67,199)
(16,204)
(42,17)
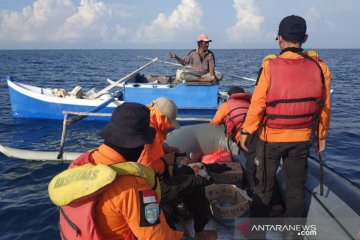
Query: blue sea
(25,209)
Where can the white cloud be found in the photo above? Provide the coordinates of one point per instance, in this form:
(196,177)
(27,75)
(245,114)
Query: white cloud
(113,34)
(312,14)
(248,23)
(62,21)
(86,19)
(187,16)
(317,20)
(34,22)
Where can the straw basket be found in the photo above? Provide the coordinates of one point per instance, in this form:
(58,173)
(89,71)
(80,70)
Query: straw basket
(226,201)
(232,176)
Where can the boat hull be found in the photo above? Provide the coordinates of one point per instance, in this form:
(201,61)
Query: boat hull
(195,103)
(335,215)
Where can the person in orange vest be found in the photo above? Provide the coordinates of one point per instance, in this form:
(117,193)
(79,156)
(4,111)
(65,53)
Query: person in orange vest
(232,114)
(290,99)
(128,208)
(159,156)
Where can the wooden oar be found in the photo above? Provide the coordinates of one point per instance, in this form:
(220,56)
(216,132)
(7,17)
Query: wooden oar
(171,63)
(99,93)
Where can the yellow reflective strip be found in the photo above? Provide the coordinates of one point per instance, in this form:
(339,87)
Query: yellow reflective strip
(312,53)
(269,56)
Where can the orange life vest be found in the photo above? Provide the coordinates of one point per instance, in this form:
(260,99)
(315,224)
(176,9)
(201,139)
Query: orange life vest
(77,218)
(217,156)
(238,107)
(294,98)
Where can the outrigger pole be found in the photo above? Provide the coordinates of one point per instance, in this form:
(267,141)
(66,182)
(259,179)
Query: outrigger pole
(77,117)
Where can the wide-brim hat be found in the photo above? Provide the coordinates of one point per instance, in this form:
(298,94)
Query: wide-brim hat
(129,126)
(168,108)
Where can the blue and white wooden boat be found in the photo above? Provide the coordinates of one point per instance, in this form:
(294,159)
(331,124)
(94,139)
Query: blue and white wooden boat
(195,102)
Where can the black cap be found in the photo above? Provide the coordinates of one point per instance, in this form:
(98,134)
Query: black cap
(235,89)
(129,126)
(292,28)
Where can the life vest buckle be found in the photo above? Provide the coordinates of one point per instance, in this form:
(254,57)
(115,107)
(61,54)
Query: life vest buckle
(271,104)
(320,103)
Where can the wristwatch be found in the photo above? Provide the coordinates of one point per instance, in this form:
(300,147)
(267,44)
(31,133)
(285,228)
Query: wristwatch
(243,132)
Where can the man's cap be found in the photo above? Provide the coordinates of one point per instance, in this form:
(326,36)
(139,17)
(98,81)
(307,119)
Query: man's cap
(168,108)
(129,126)
(292,28)
(204,38)
(235,89)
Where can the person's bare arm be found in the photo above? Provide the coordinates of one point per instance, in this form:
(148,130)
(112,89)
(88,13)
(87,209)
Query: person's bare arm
(212,74)
(181,61)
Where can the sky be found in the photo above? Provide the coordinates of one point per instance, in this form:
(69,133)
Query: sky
(172,24)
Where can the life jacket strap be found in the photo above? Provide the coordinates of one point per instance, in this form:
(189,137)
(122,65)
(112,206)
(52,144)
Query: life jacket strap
(237,115)
(62,235)
(274,116)
(311,59)
(295,100)
(155,182)
(71,224)
(234,109)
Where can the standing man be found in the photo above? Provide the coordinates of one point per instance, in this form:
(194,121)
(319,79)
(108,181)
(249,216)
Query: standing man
(290,100)
(202,62)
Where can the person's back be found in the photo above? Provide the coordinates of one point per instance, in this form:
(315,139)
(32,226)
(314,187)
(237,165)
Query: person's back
(115,212)
(116,200)
(232,113)
(128,206)
(292,101)
(291,84)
